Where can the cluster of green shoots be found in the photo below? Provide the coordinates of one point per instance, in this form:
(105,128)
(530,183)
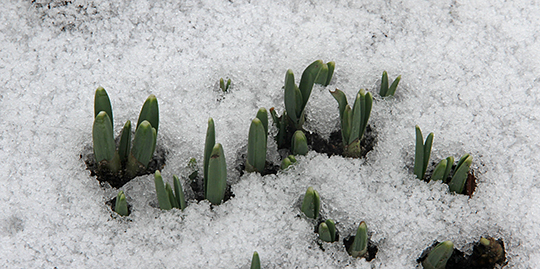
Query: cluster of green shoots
(125,160)
(442,171)
(311,206)
(486,253)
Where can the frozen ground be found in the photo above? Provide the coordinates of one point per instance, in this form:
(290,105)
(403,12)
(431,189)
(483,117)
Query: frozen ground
(470,74)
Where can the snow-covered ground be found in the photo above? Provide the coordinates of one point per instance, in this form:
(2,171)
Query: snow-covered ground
(470,74)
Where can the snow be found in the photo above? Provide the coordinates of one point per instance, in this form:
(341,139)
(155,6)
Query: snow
(469,75)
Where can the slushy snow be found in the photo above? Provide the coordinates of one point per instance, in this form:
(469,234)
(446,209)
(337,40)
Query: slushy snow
(470,74)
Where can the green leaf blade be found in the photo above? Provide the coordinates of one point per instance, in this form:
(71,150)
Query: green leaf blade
(121,206)
(217,176)
(384,85)
(427,152)
(299,144)
(256,154)
(179,193)
(161,192)
(393,87)
(125,142)
(144,143)
(438,173)
(292,94)
(438,256)
(419,154)
(311,204)
(255,261)
(208,147)
(459,178)
(103,103)
(360,243)
(150,112)
(103,139)
(262,115)
(308,79)
(331,68)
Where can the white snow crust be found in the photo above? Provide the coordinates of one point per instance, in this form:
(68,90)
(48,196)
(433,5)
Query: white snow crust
(470,74)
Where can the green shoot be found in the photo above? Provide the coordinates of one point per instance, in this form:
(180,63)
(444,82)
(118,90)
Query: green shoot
(422,153)
(311,203)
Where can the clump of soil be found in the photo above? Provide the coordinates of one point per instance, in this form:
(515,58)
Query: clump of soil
(482,257)
(118,180)
(334,146)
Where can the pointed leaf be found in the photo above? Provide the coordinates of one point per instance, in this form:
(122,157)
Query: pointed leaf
(366,102)
(163,197)
(419,154)
(460,175)
(150,112)
(393,87)
(103,103)
(321,77)
(144,143)
(449,163)
(438,173)
(331,67)
(125,142)
(311,203)
(360,243)
(121,206)
(262,115)
(356,119)
(438,257)
(170,195)
(255,261)
(342,102)
(306,82)
(324,233)
(291,96)
(102,136)
(217,176)
(179,193)
(208,146)
(384,84)
(427,152)
(256,153)
(299,143)
(346,125)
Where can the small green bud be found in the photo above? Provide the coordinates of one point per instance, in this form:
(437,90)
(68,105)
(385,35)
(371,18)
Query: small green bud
(161,192)
(121,205)
(102,135)
(422,153)
(150,112)
(103,103)
(327,231)
(255,261)
(217,176)
(360,243)
(457,182)
(438,257)
(311,204)
(208,146)
(180,199)
(125,142)
(299,143)
(256,154)
(144,143)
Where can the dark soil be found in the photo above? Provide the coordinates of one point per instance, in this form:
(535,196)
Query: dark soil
(459,260)
(334,146)
(119,180)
